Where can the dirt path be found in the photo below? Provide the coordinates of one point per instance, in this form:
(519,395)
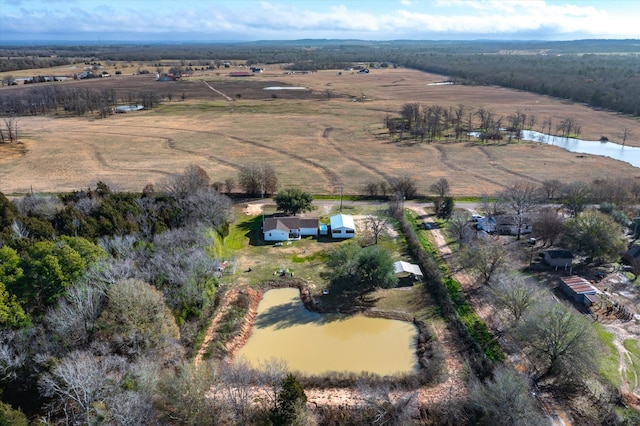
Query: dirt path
(229,296)
(556,414)
(217,91)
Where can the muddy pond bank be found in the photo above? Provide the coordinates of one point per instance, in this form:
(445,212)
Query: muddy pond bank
(421,348)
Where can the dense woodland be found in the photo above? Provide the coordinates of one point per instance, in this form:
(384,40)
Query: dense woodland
(600,73)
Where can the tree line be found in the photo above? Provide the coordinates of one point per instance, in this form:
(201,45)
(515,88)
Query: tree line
(50,98)
(600,73)
(435,122)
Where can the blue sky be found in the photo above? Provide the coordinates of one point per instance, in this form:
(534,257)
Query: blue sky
(246,20)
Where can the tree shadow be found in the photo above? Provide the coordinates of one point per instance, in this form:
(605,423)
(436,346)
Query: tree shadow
(253,231)
(291,314)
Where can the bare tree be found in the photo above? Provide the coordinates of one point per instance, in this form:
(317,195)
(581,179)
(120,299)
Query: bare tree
(551,187)
(390,408)
(576,197)
(505,400)
(229,185)
(208,206)
(484,259)
(441,187)
(10,133)
(561,343)
(459,227)
(73,320)
(512,293)
(235,383)
(371,189)
(192,179)
(548,225)
(521,199)
(376,223)
(404,187)
(12,355)
(193,397)
(79,381)
(626,132)
(258,180)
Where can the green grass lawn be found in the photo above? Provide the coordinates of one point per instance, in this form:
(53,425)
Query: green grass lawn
(610,361)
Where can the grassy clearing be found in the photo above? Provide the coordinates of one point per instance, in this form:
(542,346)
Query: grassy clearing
(633,362)
(609,362)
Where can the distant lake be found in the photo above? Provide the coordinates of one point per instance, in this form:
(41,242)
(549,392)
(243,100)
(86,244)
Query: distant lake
(628,154)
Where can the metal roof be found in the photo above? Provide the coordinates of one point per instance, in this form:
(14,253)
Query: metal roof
(342,221)
(406,267)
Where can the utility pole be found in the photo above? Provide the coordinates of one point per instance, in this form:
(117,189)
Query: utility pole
(262,201)
(340,199)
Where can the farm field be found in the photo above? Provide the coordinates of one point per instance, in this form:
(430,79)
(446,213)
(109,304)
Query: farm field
(329,136)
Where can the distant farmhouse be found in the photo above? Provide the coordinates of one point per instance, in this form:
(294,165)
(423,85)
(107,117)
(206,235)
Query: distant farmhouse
(240,74)
(167,77)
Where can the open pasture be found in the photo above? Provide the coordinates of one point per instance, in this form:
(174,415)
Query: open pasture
(329,136)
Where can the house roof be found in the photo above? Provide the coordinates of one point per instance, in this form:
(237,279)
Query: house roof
(406,267)
(288,223)
(558,254)
(342,221)
(509,220)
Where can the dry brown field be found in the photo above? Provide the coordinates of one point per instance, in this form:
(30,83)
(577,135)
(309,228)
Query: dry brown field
(318,139)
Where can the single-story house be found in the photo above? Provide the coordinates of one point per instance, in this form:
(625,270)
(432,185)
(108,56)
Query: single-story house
(342,226)
(558,258)
(579,290)
(405,268)
(486,224)
(504,225)
(289,228)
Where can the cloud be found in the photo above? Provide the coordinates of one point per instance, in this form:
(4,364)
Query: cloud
(281,19)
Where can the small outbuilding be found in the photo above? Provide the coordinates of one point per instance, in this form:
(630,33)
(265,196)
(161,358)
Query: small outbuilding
(342,226)
(579,290)
(558,258)
(289,228)
(403,268)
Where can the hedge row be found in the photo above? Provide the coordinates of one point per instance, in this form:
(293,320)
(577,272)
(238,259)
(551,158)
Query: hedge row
(482,348)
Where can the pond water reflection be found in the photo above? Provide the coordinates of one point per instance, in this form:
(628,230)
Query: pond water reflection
(628,154)
(314,343)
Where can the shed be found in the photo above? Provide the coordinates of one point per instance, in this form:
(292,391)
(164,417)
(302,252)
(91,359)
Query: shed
(342,226)
(289,228)
(578,289)
(405,268)
(324,229)
(558,258)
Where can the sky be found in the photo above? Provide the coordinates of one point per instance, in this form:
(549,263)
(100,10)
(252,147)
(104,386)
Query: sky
(95,21)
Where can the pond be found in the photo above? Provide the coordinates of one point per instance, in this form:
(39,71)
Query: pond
(285,88)
(313,343)
(616,151)
(125,108)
